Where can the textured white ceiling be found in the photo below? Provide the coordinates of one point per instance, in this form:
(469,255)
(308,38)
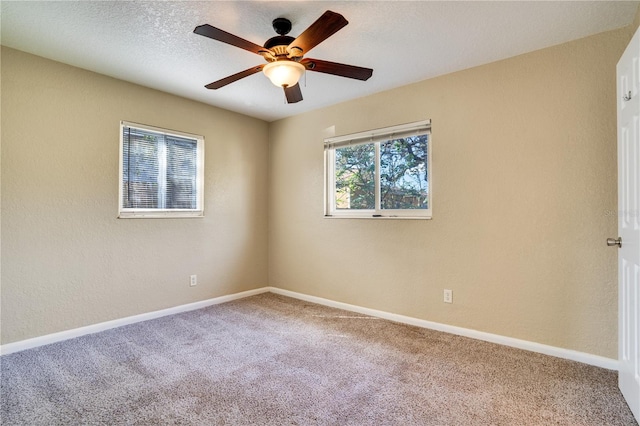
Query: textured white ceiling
(152,43)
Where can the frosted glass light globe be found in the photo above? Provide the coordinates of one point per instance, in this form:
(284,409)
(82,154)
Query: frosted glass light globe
(284,73)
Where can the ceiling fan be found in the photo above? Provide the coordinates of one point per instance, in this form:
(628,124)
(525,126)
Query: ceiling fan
(284,54)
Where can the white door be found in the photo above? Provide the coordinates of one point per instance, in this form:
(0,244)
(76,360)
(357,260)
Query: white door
(628,101)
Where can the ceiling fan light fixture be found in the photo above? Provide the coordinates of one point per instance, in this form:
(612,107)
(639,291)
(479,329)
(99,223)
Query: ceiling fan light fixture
(284,73)
(285,55)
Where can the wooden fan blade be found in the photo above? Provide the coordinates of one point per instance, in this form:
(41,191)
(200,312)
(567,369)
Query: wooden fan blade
(235,77)
(225,37)
(343,70)
(293,94)
(326,25)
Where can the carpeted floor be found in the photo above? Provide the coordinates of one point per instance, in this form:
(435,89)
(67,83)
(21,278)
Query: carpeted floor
(272,360)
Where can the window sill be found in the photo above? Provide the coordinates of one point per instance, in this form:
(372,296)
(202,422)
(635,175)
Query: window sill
(377,217)
(160,215)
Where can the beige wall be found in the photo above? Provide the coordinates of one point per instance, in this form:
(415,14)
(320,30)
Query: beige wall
(524,183)
(635,24)
(66,260)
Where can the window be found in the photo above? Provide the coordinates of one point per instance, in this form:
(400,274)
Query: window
(382,173)
(161,172)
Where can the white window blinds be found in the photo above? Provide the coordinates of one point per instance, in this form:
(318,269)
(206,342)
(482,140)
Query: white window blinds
(160,171)
(379,135)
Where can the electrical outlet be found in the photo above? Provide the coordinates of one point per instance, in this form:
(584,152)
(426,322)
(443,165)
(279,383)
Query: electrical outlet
(448,296)
(193,281)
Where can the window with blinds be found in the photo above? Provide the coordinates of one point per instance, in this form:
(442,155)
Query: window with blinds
(161,172)
(384,173)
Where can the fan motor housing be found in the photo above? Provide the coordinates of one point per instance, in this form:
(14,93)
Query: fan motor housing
(281,40)
(282,26)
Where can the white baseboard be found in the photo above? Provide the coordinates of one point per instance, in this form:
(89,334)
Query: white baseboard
(598,361)
(96,328)
(585,358)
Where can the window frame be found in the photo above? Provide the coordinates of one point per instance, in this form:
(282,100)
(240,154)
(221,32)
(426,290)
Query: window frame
(150,213)
(376,137)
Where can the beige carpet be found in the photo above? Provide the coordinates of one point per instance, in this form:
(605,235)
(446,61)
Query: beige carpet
(272,360)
